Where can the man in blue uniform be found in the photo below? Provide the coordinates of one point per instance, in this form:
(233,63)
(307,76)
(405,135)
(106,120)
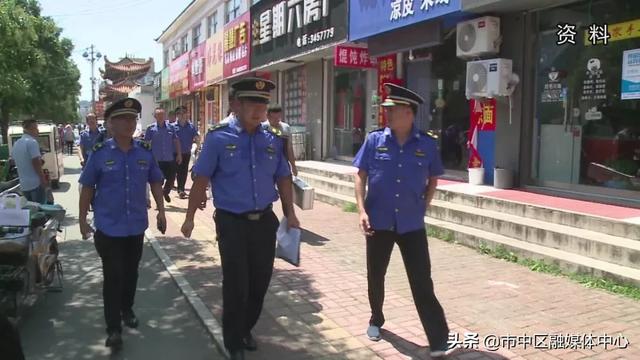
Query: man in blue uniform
(118,171)
(165,143)
(401,166)
(188,135)
(89,138)
(244,160)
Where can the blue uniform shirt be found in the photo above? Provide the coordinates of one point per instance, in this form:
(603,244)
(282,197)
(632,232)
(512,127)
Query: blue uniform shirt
(162,140)
(243,168)
(120,179)
(88,140)
(397,178)
(186,134)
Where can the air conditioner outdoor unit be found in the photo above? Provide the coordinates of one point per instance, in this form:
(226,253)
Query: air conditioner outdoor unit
(488,78)
(478,37)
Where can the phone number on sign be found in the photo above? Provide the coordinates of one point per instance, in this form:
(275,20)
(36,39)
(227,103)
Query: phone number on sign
(305,39)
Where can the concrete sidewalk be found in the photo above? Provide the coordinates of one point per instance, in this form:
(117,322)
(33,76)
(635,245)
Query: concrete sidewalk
(320,310)
(70,324)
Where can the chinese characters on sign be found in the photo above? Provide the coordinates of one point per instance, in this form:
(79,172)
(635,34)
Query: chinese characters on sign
(553,90)
(282,29)
(356,57)
(214,50)
(566,34)
(236,46)
(401,9)
(287,16)
(197,67)
(386,74)
(179,76)
(599,34)
(594,86)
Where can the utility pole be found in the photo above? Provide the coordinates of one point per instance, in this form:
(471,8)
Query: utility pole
(92,55)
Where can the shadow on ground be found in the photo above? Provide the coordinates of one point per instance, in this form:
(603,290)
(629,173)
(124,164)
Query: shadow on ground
(63,187)
(70,325)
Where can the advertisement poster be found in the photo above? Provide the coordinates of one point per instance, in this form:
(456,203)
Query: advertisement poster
(197,67)
(164,84)
(179,76)
(213,67)
(236,47)
(386,74)
(630,74)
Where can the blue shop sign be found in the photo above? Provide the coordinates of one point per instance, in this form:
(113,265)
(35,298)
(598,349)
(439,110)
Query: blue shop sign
(372,17)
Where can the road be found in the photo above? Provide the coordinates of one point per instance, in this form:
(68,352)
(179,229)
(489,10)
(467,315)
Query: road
(70,325)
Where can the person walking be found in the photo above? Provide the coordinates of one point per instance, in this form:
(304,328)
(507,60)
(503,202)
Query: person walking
(245,160)
(165,143)
(400,165)
(188,135)
(28,159)
(117,172)
(89,138)
(274,118)
(69,139)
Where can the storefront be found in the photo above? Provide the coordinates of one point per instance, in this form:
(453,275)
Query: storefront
(197,81)
(293,43)
(213,75)
(586,130)
(416,49)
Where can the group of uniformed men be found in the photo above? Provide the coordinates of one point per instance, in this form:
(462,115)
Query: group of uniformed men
(248,163)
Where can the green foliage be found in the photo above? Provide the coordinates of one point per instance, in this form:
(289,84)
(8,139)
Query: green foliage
(350,207)
(37,76)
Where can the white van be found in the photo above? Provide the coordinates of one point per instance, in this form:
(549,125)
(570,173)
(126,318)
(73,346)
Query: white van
(50,147)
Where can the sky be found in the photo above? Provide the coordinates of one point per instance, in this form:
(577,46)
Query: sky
(115,27)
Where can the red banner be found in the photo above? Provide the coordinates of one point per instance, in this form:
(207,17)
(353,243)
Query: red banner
(197,67)
(482,118)
(353,57)
(387,66)
(236,46)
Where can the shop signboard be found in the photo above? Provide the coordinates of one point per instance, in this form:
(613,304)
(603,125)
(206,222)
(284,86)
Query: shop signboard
(236,49)
(371,17)
(353,57)
(214,56)
(630,74)
(179,76)
(197,67)
(282,29)
(387,70)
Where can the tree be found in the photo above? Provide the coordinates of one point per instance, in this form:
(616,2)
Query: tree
(37,76)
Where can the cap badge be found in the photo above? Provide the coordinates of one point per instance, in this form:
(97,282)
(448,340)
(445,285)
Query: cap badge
(260,85)
(128,103)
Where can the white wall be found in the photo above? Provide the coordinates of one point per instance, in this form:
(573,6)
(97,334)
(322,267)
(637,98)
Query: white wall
(148,105)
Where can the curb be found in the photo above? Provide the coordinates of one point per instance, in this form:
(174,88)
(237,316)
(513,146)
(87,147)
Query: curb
(210,323)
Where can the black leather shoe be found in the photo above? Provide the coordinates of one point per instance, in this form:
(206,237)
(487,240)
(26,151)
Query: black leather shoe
(114,340)
(236,355)
(250,343)
(129,319)
(167,198)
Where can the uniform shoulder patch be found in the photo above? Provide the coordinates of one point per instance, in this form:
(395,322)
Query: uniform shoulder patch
(217,127)
(274,131)
(144,144)
(376,130)
(97,146)
(150,126)
(430,134)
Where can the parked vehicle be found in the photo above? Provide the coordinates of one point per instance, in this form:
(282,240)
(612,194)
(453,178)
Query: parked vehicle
(50,147)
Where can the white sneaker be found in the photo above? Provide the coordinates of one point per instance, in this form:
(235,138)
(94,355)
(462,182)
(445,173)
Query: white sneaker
(373,333)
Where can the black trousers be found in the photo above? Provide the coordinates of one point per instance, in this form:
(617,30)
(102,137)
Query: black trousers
(69,145)
(120,259)
(415,254)
(168,169)
(183,171)
(247,251)
(10,346)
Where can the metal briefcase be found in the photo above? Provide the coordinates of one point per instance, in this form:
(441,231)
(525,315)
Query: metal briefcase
(303,194)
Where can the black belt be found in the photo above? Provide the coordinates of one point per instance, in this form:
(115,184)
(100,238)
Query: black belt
(251,215)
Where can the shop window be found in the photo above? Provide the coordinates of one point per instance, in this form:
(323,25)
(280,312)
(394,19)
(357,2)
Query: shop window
(294,97)
(349,111)
(587,126)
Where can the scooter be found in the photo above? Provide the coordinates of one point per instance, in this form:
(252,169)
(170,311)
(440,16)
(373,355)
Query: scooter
(29,263)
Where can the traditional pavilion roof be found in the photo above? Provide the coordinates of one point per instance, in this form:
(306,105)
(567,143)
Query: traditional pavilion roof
(112,92)
(126,68)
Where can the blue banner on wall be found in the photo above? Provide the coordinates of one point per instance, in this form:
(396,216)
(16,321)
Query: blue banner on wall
(487,150)
(372,17)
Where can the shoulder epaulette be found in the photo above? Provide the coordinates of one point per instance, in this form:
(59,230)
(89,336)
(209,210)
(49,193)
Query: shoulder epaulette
(274,131)
(97,146)
(430,134)
(150,125)
(376,130)
(217,127)
(144,144)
